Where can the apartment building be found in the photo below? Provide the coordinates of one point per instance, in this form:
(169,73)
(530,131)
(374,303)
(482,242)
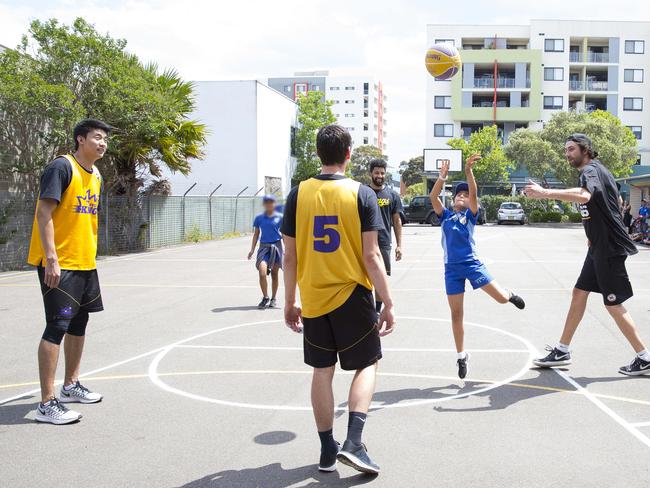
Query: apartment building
(359,102)
(535,70)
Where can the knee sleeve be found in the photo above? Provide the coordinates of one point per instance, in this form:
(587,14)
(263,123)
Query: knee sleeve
(55,330)
(78,324)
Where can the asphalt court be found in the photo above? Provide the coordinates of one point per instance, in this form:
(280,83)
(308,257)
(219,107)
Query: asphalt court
(202,389)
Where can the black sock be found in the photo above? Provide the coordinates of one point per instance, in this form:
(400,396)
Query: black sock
(327,441)
(356,421)
(378,305)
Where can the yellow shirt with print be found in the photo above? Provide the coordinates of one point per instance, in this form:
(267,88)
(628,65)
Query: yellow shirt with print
(75,222)
(328,244)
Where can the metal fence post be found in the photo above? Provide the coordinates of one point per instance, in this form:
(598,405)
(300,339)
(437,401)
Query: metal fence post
(210,208)
(183,210)
(234,227)
(106,223)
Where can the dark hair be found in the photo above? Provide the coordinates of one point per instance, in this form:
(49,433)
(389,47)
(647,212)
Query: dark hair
(85,126)
(332,144)
(377,163)
(583,143)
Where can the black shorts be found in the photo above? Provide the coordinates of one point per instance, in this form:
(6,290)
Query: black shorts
(348,332)
(77,290)
(606,276)
(385,253)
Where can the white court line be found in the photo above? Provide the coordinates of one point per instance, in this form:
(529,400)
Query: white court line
(631,428)
(134,358)
(385,349)
(640,424)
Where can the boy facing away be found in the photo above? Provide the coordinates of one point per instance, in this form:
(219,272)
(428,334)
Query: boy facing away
(461,260)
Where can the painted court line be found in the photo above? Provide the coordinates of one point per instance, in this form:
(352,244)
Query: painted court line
(385,349)
(640,424)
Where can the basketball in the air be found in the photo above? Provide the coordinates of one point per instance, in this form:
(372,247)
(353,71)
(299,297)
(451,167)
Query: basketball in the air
(442,61)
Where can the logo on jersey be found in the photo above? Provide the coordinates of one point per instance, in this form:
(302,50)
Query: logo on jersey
(383,202)
(584,211)
(611,297)
(86,204)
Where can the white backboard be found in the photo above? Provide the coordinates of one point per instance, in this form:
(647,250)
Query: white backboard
(433,159)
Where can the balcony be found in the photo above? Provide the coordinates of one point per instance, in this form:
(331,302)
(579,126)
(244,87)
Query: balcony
(576,57)
(590,85)
(502,82)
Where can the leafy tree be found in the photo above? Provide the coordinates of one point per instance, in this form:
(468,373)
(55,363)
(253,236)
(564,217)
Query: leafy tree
(411,170)
(313,113)
(543,151)
(494,165)
(415,190)
(360,163)
(74,71)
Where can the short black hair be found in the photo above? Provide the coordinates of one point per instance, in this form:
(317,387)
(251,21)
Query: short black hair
(584,142)
(332,144)
(377,163)
(85,126)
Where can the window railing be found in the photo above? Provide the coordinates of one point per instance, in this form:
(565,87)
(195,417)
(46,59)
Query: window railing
(502,82)
(590,58)
(593,85)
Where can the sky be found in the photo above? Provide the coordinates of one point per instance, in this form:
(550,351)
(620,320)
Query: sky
(255,39)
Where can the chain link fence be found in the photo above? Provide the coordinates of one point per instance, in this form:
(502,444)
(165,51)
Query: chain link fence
(134,224)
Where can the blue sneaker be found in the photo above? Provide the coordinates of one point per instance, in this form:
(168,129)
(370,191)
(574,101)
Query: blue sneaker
(327,462)
(357,457)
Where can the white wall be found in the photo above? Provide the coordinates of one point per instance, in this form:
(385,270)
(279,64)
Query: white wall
(250,137)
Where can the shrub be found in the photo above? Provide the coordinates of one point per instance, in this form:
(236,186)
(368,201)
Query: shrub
(195,235)
(575,217)
(535,216)
(553,217)
(491,204)
(565,219)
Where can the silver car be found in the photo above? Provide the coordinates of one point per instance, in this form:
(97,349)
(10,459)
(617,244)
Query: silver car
(511,212)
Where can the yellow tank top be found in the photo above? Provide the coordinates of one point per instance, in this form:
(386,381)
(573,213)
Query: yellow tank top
(328,244)
(75,222)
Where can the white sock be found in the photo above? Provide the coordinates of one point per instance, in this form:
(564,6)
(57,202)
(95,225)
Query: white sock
(562,347)
(645,355)
(462,355)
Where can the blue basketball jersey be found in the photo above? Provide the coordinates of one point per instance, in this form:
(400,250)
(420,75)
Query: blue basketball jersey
(458,236)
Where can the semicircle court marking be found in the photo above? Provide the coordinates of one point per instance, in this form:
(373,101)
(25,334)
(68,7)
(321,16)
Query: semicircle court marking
(155,377)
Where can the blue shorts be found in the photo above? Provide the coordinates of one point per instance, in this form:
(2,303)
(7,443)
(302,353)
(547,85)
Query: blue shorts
(457,273)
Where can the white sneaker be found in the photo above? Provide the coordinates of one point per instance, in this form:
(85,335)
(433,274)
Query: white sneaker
(77,393)
(53,412)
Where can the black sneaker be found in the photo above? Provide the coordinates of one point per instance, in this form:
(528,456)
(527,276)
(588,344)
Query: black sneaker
(264,303)
(357,457)
(462,366)
(273,303)
(328,459)
(517,301)
(554,358)
(636,368)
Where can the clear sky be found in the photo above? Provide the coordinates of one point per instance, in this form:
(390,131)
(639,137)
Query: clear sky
(245,39)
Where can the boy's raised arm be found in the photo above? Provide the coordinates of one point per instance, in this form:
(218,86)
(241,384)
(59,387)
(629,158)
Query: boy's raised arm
(437,188)
(471,182)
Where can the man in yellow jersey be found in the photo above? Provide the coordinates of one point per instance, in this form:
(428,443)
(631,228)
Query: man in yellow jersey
(63,248)
(331,252)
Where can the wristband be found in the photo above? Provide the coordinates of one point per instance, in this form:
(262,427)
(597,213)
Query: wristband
(441,178)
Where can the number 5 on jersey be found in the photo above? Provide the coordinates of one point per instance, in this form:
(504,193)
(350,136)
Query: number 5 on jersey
(326,239)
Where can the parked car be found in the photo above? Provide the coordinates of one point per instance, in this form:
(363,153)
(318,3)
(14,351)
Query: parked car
(420,211)
(511,212)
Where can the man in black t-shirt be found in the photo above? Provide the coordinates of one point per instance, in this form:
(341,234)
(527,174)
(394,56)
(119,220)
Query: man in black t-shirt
(609,246)
(390,206)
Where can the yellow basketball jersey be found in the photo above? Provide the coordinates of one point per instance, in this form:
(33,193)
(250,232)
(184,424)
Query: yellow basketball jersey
(75,222)
(328,244)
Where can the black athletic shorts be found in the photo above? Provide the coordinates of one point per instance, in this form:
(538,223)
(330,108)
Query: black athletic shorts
(77,290)
(606,276)
(385,253)
(348,332)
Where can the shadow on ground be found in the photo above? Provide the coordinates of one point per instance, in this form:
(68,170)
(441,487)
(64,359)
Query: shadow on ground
(243,308)
(275,476)
(15,414)
(274,438)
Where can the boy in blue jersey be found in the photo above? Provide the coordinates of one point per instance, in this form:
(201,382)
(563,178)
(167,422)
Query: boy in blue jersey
(461,260)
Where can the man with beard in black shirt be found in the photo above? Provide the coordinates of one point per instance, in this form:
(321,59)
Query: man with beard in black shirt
(390,207)
(609,246)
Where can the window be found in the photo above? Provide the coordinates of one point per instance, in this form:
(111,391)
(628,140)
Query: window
(287,88)
(553,103)
(636,130)
(633,103)
(349,115)
(349,88)
(634,47)
(443,130)
(301,87)
(365,126)
(335,88)
(554,45)
(365,113)
(633,75)
(349,101)
(553,74)
(365,140)
(336,102)
(315,88)
(445,41)
(441,102)
(365,88)
(350,129)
